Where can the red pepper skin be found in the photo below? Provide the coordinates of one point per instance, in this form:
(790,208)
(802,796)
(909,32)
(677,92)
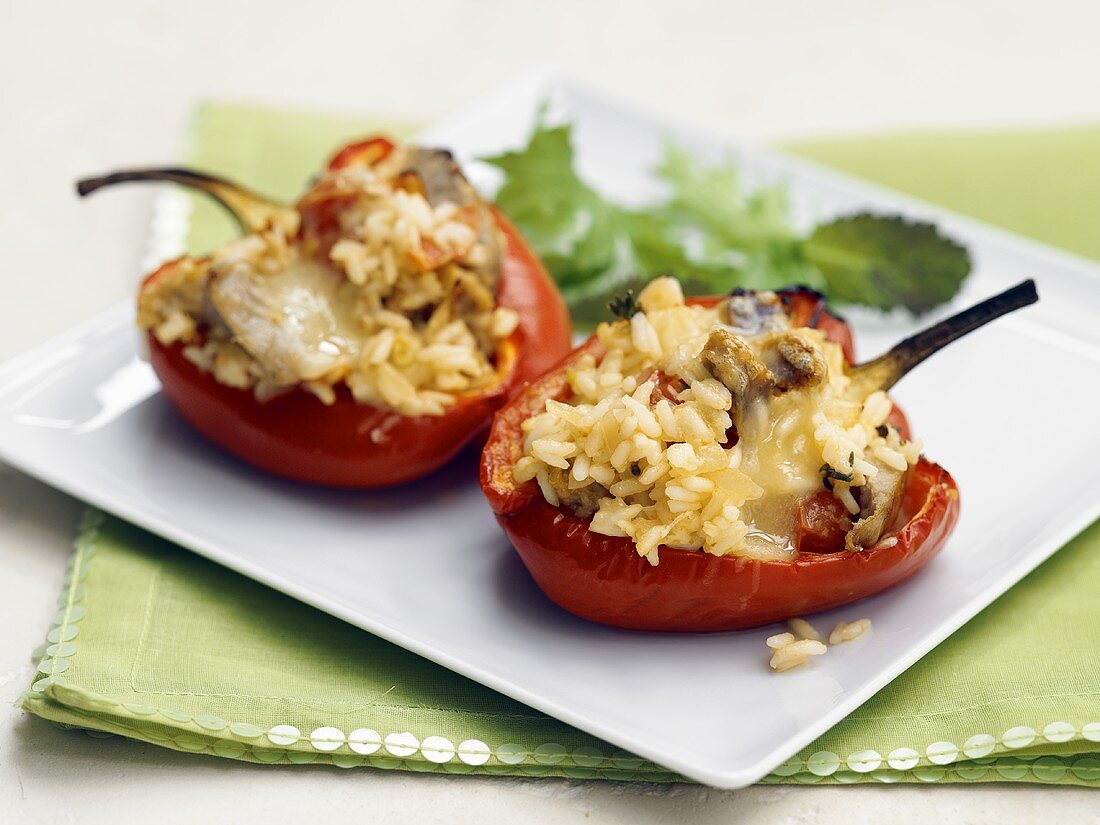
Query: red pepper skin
(603,579)
(363,153)
(348,444)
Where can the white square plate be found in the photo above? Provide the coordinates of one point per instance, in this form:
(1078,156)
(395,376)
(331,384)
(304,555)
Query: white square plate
(1010,411)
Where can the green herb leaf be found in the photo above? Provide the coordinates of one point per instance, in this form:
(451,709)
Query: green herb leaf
(708,232)
(828,474)
(886,262)
(623,305)
(577,234)
(711,233)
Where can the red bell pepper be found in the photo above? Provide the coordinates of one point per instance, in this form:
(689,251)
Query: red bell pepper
(604,579)
(349,444)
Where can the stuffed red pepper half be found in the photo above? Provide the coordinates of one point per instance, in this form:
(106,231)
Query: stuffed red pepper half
(360,338)
(713,464)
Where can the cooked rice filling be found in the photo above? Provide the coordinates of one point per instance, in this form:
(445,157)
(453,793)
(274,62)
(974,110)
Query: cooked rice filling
(643,447)
(401,308)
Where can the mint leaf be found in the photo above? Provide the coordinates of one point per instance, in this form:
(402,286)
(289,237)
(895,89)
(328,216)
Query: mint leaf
(887,261)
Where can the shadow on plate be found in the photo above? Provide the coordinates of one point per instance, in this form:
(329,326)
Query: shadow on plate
(171,442)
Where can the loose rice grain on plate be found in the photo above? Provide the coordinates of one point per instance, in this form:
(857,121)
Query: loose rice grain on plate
(803,629)
(795,654)
(844,632)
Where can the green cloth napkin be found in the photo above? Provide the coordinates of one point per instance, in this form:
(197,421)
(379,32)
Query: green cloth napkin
(154,643)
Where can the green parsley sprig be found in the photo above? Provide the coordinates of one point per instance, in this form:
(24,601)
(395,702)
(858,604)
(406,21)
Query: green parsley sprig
(713,234)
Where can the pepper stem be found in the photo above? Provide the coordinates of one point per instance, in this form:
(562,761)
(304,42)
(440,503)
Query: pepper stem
(890,367)
(252,211)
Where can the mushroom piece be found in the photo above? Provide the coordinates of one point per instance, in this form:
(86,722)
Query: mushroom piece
(879,500)
(292,322)
(750,313)
(732,361)
(584,501)
(443,182)
(794,360)
(787,361)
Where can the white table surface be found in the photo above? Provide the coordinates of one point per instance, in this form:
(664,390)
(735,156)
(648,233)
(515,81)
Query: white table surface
(100,85)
